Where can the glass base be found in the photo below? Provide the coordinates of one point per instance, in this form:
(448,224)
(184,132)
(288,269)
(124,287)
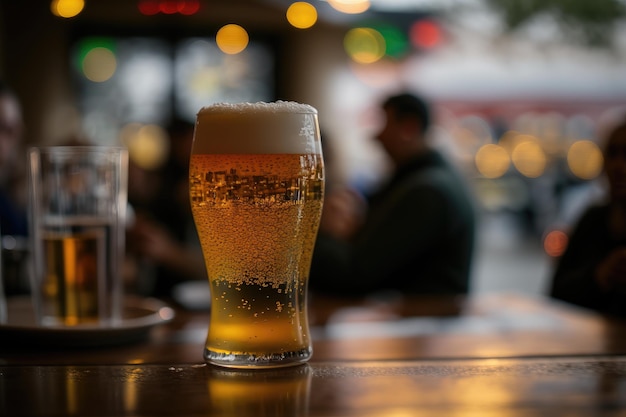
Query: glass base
(270,360)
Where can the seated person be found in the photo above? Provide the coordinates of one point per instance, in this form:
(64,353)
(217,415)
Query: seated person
(592,271)
(414,235)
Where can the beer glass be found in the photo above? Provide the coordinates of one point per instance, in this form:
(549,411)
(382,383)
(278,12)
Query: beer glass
(256,189)
(78,197)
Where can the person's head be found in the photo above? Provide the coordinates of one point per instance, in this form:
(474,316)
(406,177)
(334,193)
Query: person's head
(615,162)
(407,119)
(10,126)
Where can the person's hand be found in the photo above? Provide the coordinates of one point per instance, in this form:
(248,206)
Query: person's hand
(611,273)
(343,213)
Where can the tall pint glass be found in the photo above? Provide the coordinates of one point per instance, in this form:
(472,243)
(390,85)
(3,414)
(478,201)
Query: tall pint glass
(78,198)
(256,188)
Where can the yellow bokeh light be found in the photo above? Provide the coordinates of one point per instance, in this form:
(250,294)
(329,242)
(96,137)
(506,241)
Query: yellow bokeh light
(508,140)
(492,161)
(350,6)
(67,8)
(232,39)
(364,45)
(99,64)
(585,160)
(148,146)
(301,15)
(529,159)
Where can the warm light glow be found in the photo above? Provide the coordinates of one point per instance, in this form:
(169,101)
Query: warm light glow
(425,34)
(99,64)
(528,157)
(67,8)
(149,7)
(168,6)
(148,146)
(508,140)
(585,160)
(301,15)
(350,6)
(184,7)
(364,45)
(492,161)
(232,39)
(166,313)
(555,243)
(188,7)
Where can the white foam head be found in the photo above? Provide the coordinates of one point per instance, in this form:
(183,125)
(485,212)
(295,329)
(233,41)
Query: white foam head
(257,128)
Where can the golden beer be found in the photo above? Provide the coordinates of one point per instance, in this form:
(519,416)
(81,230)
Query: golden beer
(260,393)
(257,215)
(74,269)
(77,205)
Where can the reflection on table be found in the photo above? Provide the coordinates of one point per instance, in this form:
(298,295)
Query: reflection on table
(499,354)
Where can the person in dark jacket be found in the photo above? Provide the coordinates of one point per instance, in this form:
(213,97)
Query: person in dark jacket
(415,235)
(592,271)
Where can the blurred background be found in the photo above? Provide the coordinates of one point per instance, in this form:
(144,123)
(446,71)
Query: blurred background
(523,91)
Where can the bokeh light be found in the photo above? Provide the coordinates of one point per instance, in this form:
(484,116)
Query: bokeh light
(508,140)
(528,158)
(67,8)
(396,40)
(585,160)
(364,45)
(99,64)
(555,243)
(188,7)
(184,7)
(301,15)
(350,6)
(232,39)
(425,34)
(492,161)
(149,7)
(148,145)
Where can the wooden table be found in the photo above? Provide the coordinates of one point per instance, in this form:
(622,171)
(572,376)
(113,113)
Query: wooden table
(496,354)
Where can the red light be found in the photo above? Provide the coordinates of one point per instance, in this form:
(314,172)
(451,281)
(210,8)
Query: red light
(188,7)
(169,6)
(425,34)
(555,243)
(148,7)
(184,7)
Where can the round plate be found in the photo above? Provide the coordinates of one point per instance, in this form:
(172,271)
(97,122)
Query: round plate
(140,315)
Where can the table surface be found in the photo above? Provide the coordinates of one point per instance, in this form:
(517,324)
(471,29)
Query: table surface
(492,354)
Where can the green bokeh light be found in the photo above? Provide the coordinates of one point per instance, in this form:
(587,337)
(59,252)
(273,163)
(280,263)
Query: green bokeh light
(396,40)
(86,45)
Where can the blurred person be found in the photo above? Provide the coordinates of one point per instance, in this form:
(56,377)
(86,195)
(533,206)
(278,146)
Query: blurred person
(592,271)
(12,164)
(415,235)
(162,236)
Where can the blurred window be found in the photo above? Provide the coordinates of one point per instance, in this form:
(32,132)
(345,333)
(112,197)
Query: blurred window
(150,80)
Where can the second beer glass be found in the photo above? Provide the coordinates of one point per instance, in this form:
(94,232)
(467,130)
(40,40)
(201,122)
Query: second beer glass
(256,188)
(78,198)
